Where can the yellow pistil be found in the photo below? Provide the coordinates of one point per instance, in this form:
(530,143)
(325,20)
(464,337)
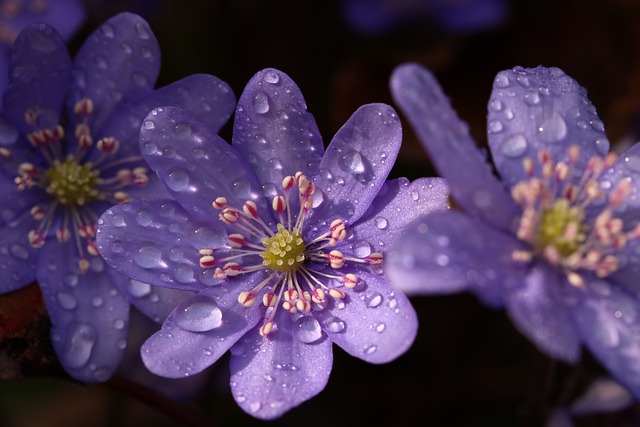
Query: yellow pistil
(72,183)
(562,227)
(284,251)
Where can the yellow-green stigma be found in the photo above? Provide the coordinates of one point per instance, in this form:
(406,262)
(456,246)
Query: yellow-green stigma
(284,251)
(562,227)
(72,183)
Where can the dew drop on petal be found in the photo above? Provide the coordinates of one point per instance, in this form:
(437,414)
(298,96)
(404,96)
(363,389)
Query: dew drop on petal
(177,180)
(362,249)
(632,162)
(370,349)
(149,124)
(271,77)
(380,327)
(254,407)
(495,126)
(147,257)
(19,251)
(334,324)
(374,300)
(107,30)
(143,218)
(67,301)
(502,80)
(514,146)
(182,130)
(381,223)
(198,314)
(261,103)
(80,340)
(142,31)
(184,274)
(307,329)
(553,128)
(353,162)
(119,324)
(138,289)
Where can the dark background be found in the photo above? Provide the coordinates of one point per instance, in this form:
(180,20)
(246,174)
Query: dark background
(468,366)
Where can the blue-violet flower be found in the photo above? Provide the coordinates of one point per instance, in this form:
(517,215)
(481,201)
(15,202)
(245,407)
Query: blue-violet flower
(556,240)
(282,241)
(68,151)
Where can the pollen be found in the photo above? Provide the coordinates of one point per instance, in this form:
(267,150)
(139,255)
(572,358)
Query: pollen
(72,183)
(284,251)
(562,226)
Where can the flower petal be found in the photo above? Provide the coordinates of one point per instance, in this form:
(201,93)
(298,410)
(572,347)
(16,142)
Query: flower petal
(447,252)
(446,138)
(533,109)
(120,61)
(89,316)
(17,257)
(14,201)
(177,352)
(270,375)
(357,163)
(157,242)
(274,131)
(603,395)
(39,77)
(196,165)
(396,205)
(608,319)
(535,306)
(375,323)
(206,97)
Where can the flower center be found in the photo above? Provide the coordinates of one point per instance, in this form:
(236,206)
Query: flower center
(296,270)
(71,183)
(561,226)
(284,251)
(554,222)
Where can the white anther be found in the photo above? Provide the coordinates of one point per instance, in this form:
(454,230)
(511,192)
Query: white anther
(337,293)
(207,261)
(63,234)
(279,204)
(237,240)
(318,296)
(350,280)
(288,182)
(336,259)
(269,299)
(267,328)
(92,248)
(229,215)
(247,298)
(37,212)
(250,209)
(83,265)
(375,258)
(36,239)
(220,203)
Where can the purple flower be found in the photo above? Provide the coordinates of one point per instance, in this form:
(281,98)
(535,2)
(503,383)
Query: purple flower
(65,16)
(68,151)
(556,240)
(282,241)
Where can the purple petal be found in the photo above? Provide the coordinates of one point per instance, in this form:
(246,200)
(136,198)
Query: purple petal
(607,318)
(155,302)
(14,201)
(157,242)
(208,98)
(535,306)
(120,61)
(274,131)
(375,323)
(449,252)
(201,330)
(17,257)
(357,163)
(446,138)
(39,77)
(196,165)
(398,204)
(89,316)
(269,376)
(65,16)
(540,109)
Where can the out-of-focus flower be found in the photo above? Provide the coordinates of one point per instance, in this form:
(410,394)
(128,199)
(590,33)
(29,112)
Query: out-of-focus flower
(69,150)
(456,16)
(65,16)
(556,239)
(282,241)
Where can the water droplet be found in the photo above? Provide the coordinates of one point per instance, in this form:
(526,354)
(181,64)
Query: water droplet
(381,223)
(139,79)
(495,126)
(502,80)
(275,164)
(271,77)
(514,146)
(261,103)
(71,280)
(532,98)
(553,128)
(119,324)
(198,314)
(182,130)
(107,30)
(482,199)
(361,249)
(334,324)
(117,247)
(149,147)
(19,251)
(597,125)
(118,220)
(177,180)
(101,62)
(508,114)
(242,189)
(126,48)
(380,327)
(496,105)
(67,301)
(138,289)
(147,257)
(633,162)
(374,300)
(307,329)
(370,349)
(442,260)
(97,302)
(353,162)
(142,30)
(144,218)
(184,274)
(80,340)
(415,196)
(254,407)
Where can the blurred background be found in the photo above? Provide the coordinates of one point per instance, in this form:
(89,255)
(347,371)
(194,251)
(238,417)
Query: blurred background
(468,366)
